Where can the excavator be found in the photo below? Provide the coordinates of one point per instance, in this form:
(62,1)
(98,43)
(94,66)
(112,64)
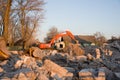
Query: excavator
(57,41)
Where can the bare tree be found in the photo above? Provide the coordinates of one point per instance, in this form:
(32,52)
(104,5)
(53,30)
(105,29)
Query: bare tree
(28,20)
(2,7)
(19,19)
(5,16)
(51,33)
(30,31)
(1,26)
(100,38)
(6,19)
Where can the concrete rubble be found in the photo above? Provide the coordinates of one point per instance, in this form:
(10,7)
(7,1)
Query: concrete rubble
(96,63)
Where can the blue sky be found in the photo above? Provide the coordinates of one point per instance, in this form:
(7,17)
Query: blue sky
(82,17)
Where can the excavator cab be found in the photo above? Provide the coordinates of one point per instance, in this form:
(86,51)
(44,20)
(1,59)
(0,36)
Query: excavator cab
(59,44)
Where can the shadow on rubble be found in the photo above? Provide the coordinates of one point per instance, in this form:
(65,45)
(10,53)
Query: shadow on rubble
(58,59)
(9,68)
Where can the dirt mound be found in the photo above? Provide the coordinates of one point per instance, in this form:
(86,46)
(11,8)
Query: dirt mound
(74,49)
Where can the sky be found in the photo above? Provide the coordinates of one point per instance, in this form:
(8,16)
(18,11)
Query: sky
(82,17)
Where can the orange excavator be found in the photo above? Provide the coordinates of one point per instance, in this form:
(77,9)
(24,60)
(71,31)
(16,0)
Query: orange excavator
(57,41)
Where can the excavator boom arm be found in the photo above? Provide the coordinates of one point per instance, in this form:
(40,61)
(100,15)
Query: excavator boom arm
(66,33)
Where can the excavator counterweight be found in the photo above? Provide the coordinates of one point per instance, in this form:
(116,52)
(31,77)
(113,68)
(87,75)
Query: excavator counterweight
(44,46)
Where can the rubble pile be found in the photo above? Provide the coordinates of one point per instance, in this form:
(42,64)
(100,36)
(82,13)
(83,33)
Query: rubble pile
(74,49)
(97,63)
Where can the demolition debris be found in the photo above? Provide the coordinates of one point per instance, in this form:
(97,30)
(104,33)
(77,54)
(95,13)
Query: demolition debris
(94,63)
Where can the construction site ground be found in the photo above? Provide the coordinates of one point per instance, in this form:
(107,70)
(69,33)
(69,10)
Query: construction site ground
(91,63)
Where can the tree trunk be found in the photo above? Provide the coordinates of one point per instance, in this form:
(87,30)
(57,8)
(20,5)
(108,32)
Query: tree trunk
(6,20)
